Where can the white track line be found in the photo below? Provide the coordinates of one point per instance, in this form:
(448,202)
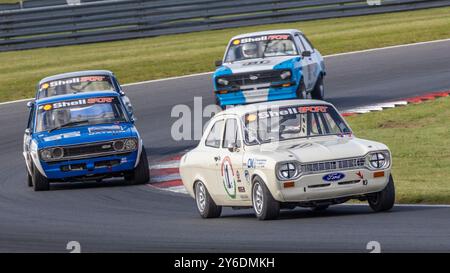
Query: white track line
(210,72)
(166,165)
(165,178)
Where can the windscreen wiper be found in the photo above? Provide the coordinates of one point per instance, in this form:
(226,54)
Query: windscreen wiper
(68,124)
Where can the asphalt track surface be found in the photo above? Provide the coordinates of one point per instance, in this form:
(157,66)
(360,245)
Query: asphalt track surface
(112,217)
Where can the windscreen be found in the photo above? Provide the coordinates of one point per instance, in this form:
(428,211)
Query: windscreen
(293,122)
(261,47)
(73,113)
(75,85)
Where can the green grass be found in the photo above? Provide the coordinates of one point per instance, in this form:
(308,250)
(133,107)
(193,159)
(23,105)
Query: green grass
(9,1)
(419,139)
(164,56)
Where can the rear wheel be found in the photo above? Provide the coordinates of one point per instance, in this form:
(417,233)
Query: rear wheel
(385,199)
(205,204)
(301,90)
(40,182)
(264,205)
(140,174)
(318,92)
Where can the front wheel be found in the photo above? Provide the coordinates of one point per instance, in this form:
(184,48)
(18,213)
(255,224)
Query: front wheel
(318,92)
(40,182)
(383,200)
(264,205)
(205,204)
(141,174)
(301,90)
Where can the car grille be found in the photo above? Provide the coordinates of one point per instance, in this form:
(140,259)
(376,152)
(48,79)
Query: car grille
(260,77)
(96,148)
(326,166)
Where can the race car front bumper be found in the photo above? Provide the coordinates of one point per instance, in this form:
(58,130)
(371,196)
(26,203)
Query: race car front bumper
(256,93)
(91,168)
(314,188)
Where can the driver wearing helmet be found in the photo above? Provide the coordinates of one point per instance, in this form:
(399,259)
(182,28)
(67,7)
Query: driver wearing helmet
(250,50)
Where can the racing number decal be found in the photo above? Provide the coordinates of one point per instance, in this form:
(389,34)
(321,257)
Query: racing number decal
(228,177)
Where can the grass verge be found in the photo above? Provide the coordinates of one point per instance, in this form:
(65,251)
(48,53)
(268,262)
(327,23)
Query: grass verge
(419,139)
(165,56)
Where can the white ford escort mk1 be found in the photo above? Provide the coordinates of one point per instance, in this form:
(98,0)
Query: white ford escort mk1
(285,154)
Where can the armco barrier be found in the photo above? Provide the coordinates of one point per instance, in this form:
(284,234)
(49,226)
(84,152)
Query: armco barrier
(89,22)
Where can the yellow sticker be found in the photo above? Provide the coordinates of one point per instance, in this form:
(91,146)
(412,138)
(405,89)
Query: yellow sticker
(47,107)
(44,86)
(251,118)
(236,42)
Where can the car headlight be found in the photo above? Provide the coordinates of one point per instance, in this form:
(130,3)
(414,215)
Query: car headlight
(378,160)
(52,153)
(130,144)
(118,145)
(288,170)
(222,81)
(285,74)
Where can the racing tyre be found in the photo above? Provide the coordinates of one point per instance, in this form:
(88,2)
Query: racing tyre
(141,174)
(301,90)
(383,200)
(318,92)
(205,204)
(40,182)
(29,179)
(264,205)
(320,208)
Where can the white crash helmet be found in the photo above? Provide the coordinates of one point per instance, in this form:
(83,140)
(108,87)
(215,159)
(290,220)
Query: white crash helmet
(250,50)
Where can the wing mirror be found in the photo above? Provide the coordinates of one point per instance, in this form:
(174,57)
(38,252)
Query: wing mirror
(30,104)
(232,147)
(306,53)
(218,63)
(27,131)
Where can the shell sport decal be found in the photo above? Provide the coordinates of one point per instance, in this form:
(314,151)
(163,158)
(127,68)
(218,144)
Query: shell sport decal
(228,177)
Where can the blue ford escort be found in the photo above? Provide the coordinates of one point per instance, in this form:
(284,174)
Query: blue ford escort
(84,136)
(269,65)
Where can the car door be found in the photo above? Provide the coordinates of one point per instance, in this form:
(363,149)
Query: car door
(231,166)
(306,62)
(314,61)
(211,159)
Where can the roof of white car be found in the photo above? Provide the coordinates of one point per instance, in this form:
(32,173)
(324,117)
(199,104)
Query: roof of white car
(262,106)
(267,32)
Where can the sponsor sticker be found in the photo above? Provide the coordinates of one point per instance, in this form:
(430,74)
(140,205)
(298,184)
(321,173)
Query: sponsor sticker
(64,104)
(72,80)
(105,129)
(241,189)
(293,111)
(261,38)
(253,163)
(61,136)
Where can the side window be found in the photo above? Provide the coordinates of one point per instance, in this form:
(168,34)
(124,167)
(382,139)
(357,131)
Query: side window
(215,135)
(30,119)
(231,133)
(299,43)
(307,43)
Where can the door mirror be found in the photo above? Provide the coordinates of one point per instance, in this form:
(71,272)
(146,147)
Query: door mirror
(218,63)
(30,104)
(306,53)
(27,131)
(232,147)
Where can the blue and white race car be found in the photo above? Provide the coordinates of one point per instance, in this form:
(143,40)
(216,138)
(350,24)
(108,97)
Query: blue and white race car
(267,66)
(84,136)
